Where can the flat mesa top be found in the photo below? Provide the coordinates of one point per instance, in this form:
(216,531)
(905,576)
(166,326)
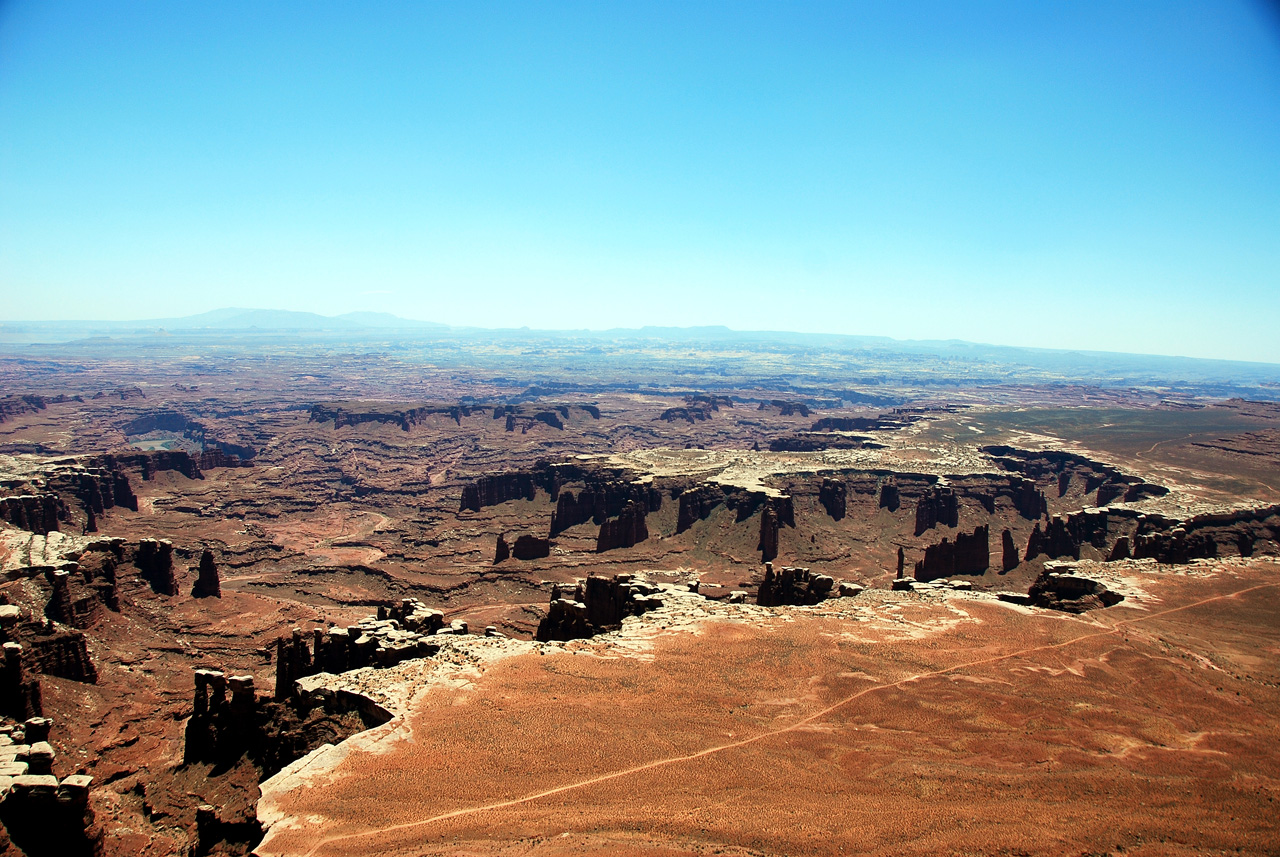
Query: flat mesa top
(745,468)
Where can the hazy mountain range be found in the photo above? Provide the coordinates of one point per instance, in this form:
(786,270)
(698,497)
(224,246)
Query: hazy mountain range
(243,324)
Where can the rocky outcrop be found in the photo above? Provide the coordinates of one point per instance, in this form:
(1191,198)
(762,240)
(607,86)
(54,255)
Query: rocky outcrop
(1243,532)
(45,817)
(768,545)
(600,500)
(154,561)
(221,729)
(150,463)
(785,408)
(818,441)
(1059,588)
(1028,499)
(687,413)
(1054,541)
(518,416)
(970,553)
(399,634)
(498,488)
(36,513)
(404,418)
(58,608)
(218,456)
(793,585)
(43,499)
(12,406)
(834,498)
(881,423)
(19,690)
(99,489)
(1009,552)
(531,547)
(50,648)
(594,605)
(293,661)
(1063,537)
(697,408)
(207,584)
(937,506)
(777,512)
(229,721)
(98,564)
(890,498)
(604,491)
(502,552)
(697,503)
(566,619)
(1068,469)
(625,531)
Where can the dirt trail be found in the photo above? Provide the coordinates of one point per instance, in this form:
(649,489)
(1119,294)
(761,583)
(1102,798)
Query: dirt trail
(799,724)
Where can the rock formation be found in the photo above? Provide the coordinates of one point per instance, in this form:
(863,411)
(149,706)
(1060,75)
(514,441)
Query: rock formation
(225,728)
(793,585)
(696,504)
(36,513)
(785,408)
(1059,588)
(58,608)
(45,817)
(405,419)
(594,605)
(207,583)
(889,497)
(938,506)
(399,634)
(768,545)
(531,547)
(1069,469)
(818,441)
(1009,552)
(150,463)
(154,560)
(626,530)
(599,500)
(20,696)
(498,488)
(833,496)
(502,551)
(859,423)
(968,554)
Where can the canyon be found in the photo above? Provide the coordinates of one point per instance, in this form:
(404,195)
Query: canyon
(348,602)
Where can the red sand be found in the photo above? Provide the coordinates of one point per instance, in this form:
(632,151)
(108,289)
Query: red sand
(1155,731)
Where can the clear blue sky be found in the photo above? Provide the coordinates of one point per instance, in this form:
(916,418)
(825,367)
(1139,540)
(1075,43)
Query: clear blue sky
(1076,174)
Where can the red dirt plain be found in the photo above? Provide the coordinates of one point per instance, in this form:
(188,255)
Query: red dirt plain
(1152,727)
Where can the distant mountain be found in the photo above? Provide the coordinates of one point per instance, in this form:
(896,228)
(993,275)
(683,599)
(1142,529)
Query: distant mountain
(1007,362)
(386,319)
(235,318)
(225,319)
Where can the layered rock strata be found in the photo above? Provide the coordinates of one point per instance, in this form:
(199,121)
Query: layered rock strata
(793,585)
(377,641)
(594,605)
(970,553)
(207,584)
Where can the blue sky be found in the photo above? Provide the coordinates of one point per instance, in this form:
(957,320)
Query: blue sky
(1071,175)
